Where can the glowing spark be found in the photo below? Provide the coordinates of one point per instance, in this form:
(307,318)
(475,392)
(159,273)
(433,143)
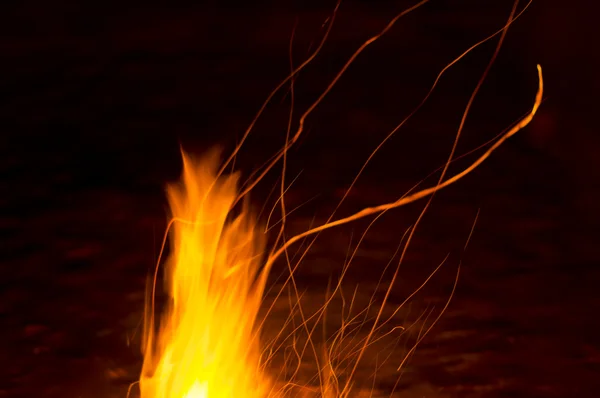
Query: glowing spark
(207,343)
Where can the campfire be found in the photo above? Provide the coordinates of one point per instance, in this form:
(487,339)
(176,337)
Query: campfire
(208,341)
(212,280)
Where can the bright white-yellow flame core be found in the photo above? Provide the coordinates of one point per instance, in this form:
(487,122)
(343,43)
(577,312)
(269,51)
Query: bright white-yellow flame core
(207,344)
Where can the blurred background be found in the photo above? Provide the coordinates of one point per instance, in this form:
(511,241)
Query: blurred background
(96,99)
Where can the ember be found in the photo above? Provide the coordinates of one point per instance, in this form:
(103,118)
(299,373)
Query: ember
(208,341)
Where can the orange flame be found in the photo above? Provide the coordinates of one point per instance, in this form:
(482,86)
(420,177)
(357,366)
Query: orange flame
(206,344)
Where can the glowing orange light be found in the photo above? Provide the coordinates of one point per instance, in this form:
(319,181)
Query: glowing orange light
(207,343)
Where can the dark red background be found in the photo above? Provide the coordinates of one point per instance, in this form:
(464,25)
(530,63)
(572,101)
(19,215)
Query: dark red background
(95,99)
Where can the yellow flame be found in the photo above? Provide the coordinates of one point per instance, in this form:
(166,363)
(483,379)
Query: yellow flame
(206,345)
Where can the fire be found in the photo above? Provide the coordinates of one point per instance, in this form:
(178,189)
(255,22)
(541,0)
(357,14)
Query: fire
(206,345)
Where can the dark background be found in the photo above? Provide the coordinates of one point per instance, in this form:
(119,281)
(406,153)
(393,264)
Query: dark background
(97,97)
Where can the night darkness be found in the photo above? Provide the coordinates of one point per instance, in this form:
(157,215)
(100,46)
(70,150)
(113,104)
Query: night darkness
(96,99)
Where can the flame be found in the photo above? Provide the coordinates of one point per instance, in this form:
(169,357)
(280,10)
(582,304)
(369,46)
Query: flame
(207,345)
